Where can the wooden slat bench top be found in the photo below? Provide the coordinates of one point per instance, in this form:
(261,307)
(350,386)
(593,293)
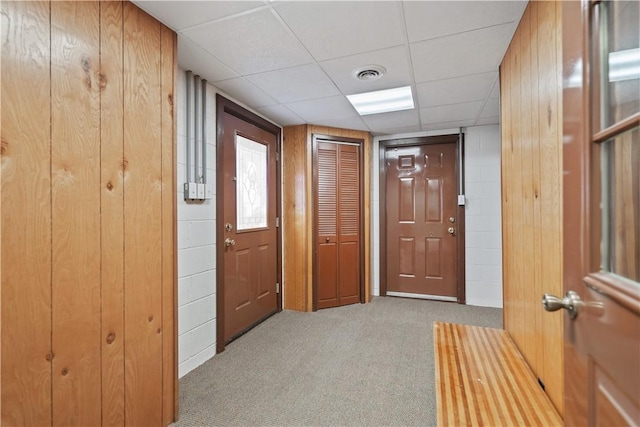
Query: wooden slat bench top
(483,380)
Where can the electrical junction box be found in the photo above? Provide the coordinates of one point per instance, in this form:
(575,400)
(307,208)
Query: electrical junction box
(190,191)
(200,191)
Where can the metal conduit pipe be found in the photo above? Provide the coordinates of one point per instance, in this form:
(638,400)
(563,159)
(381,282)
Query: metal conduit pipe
(204,131)
(198,111)
(189,117)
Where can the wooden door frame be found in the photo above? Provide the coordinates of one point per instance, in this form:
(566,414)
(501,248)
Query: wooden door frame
(314,147)
(458,139)
(224,105)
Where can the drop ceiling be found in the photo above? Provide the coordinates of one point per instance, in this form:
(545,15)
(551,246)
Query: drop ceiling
(292,61)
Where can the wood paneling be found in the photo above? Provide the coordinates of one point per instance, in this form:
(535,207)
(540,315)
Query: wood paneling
(532,192)
(26,215)
(481,379)
(75,180)
(142,218)
(112,212)
(298,212)
(169,227)
(294,177)
(88,136)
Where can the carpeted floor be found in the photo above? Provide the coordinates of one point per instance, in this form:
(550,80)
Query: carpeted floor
(364,364)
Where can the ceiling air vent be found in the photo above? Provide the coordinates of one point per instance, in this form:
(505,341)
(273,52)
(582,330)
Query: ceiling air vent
(369,73)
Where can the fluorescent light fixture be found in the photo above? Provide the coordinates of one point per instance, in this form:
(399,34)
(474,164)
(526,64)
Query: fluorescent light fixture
(382,101)
(624,65)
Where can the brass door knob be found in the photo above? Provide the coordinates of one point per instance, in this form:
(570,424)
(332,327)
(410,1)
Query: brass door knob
(229,242)
(451,231)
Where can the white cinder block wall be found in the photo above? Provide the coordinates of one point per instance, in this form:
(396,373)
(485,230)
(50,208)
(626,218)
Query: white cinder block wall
(483,216)
(196,249)
(483,219)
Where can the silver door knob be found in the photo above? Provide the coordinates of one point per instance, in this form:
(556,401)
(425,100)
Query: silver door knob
(229,242)
(451,230)
(571,302)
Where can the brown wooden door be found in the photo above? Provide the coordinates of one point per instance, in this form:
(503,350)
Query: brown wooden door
(249,225)
(602,214)
(337,194)
(421,221)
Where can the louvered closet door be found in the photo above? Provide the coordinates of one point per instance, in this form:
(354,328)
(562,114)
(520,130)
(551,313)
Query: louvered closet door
(337,193)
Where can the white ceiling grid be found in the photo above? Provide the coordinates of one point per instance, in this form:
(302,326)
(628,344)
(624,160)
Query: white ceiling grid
(293,60)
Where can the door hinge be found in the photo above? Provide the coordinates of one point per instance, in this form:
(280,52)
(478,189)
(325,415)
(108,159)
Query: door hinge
(277,222)
(277,288)
(277,156)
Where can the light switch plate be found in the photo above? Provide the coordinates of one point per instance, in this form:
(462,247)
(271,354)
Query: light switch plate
(461,200)
(200,191)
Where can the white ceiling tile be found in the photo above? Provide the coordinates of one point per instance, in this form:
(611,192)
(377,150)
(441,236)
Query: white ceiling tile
(246,92)
(431,19)
(462,54)
(402,130)
(495,92)
(488,121)
(193,57)
(251,43)
(331,29)
(295,83)
(393,120)
(454,91)
(316,110)
(182,14)
(395,60)
(354,123)
(491,108)
(450,113)
(448,125)
(281,115)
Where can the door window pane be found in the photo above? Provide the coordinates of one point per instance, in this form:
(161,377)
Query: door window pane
(619,58)
(251,184)
(621,205)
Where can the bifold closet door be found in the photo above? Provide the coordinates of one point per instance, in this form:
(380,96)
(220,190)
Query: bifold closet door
(337,202)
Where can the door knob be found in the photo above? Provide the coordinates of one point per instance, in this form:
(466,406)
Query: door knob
(571,302)
(229,242)
(451,231)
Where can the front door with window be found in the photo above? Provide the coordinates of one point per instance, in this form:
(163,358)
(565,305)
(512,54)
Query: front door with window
(601,101)
(249,238)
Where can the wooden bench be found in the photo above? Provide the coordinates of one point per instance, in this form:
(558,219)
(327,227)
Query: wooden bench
(482,379)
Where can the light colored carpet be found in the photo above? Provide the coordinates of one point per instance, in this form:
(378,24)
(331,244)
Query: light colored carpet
(361,365)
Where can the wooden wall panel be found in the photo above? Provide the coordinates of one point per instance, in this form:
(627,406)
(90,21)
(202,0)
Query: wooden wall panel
(550,127)
(531,183)
(294,178)
(112,208)
(26,215)
(142,218)
(88,314)
(75,182)
(169,227)
(298,212)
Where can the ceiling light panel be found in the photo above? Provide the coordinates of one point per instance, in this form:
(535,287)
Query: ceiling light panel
(382,101)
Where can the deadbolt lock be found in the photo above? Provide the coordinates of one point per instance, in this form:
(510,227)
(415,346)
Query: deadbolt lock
(228,226)
(452,219)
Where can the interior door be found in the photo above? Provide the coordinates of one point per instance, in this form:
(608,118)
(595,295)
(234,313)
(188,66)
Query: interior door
(250,236)
(421,221)
(601,192)
(337,223)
